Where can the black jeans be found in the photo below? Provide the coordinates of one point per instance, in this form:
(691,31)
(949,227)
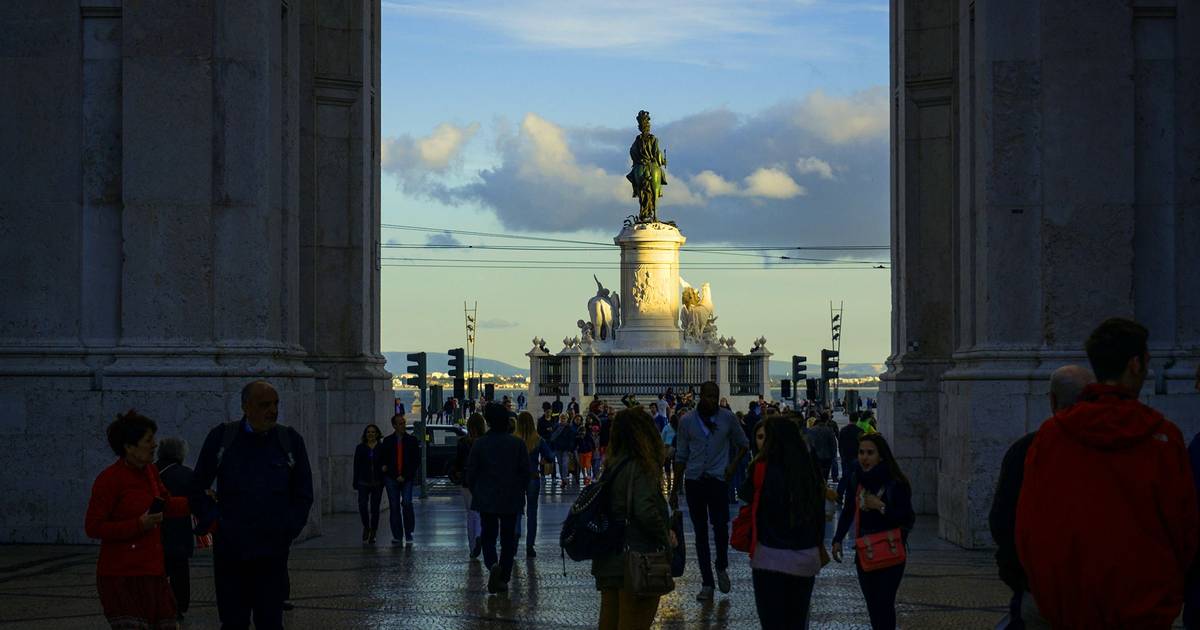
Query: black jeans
(374,496)
(179,574)
(879,589)
(257,586)
(782,600)
(708,501)
(504,525)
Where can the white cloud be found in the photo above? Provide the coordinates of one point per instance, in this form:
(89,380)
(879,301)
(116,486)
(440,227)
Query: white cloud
(714,185)
(444,239)
(812,165)
(498,323)
(860,116)
(407,156)
(772,183)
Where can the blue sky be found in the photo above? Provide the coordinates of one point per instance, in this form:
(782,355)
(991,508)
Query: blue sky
(516,117)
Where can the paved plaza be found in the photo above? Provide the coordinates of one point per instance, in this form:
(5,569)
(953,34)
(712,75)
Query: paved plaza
(339,583)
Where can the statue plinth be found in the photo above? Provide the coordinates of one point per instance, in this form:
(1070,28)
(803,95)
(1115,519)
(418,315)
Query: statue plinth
(650,296)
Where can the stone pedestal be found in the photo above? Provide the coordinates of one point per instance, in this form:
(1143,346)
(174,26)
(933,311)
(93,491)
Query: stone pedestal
(650,290)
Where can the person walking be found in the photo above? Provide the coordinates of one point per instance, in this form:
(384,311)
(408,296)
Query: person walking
(1066,384)
(545,428)
(368,480)
(178,539)
(635,491)
(125,513)
(703,442)
(585,446)
(788,529)
(881,500)
(1107,522)
(562,440)
(538,449)
(400,456)
(265,491)
(848,451)
(462,451)
(498,475)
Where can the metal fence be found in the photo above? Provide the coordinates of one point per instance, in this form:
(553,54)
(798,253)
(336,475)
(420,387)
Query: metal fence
(554,376)
(745,376)
(647,375)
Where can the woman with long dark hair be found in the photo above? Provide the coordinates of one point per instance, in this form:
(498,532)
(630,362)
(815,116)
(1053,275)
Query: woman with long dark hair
(368,480)
(785,551)
(635,452)
(458,474)
(883,498)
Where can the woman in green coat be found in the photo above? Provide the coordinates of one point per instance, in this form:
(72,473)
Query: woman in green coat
(634,439)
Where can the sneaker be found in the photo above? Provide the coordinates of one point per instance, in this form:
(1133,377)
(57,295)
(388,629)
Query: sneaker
(397,541)
(495,584)
(371,538)
(530,553)
(477,548)
(705,594)
(408,540)
(723,581)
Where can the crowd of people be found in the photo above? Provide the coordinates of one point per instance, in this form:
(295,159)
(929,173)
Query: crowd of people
(1095,513)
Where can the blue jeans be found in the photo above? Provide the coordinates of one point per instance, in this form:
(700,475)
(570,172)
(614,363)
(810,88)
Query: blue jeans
(400,507)
(532,493)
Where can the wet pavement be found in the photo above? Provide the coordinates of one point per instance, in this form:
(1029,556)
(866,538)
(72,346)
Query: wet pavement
(339,583)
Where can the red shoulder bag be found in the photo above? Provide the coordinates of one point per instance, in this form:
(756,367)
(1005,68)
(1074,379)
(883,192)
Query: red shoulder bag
(880,550)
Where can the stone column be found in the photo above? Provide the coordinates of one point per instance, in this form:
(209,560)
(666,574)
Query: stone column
(650,289)
(339,228)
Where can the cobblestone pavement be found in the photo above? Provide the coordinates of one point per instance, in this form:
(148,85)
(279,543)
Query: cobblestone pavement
(339,583)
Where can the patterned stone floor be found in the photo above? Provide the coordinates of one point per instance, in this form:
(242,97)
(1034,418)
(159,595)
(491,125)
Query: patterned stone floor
(339,583)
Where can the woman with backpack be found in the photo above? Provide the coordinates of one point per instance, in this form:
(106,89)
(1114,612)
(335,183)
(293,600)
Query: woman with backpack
(635,455)
(881,503)
(537,449)
(458,474)
(787,499)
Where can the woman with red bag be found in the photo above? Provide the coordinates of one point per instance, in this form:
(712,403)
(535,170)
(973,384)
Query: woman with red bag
(788,519)
(882,515)
(125,512)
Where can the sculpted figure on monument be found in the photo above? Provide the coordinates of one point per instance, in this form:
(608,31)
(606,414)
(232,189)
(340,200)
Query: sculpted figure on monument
(696,318)
(603,309)
(648,174)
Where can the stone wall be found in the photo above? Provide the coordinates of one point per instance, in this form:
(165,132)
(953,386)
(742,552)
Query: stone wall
(152,237)
(1072,192)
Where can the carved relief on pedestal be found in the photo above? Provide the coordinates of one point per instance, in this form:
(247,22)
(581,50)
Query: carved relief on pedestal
(648,293)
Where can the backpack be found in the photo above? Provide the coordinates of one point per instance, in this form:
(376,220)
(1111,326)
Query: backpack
(283,435)
(589,529)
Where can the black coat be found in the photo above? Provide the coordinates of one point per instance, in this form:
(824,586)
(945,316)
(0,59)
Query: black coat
(848,443)
(412,456)
(368,467)
(178,541)
(1003,517)
(498,473)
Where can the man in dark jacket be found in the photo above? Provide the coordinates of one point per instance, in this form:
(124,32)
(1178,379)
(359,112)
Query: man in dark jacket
(1107,526)
(401,457)
(824,446)
(178,541)
(264,492)
(848,450)
(1066,383)
(498,476)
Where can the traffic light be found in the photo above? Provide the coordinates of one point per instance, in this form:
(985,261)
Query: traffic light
(811,388)
(785,388)
(799,368)
(829,365)
(456,372)
(489,392)
(416,365)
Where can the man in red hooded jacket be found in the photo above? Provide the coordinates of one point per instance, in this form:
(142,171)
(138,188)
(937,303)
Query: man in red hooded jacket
(1107,521)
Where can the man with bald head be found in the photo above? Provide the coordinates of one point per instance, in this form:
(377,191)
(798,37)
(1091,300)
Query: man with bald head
(264,494)
(1066,383)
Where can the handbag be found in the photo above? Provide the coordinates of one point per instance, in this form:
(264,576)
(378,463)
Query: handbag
(743,535)
(679,553)
(646,573)
(879,550)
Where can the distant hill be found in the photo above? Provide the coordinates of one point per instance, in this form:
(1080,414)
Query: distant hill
(783,369)
(397,363)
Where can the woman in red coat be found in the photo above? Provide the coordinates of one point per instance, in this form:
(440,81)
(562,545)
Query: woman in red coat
(125,511)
